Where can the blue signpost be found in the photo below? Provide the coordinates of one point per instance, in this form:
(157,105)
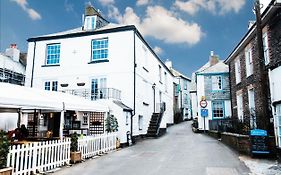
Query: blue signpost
(204,114)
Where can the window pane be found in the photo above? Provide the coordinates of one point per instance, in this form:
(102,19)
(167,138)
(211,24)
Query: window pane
(53,54)
(100,49)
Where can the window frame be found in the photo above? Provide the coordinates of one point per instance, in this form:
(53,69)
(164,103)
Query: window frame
(100,49)
(265,44)
(221,82)
(249,61)
(237,65)
(53,85)
(140,123)
(223,109)
(52,54)
(160,73)
(238,97)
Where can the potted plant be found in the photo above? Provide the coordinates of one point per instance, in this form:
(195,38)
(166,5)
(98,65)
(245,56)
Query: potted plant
(4,150)
(75,155)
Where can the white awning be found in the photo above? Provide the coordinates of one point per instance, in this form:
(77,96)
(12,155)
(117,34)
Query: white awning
(15,96)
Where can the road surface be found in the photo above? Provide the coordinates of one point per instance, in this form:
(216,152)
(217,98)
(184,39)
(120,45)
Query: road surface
(179,152)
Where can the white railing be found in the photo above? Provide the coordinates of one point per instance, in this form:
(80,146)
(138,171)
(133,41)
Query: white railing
(44,156)
(98,144)
(38,156)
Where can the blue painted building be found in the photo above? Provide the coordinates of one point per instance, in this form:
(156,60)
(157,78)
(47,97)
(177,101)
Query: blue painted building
(212,92)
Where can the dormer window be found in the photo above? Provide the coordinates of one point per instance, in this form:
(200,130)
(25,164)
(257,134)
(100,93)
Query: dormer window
(93,19)
(90,23)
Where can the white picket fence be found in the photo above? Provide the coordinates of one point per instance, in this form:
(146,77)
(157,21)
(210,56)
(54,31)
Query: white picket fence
(98,144)
(40,156)
(48,155)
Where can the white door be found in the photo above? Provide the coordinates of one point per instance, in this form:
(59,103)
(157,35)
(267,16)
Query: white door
(278,119)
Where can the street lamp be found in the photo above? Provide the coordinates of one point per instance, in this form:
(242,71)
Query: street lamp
(153,87)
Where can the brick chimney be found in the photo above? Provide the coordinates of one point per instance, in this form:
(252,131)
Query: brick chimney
(214,59)
(13,52)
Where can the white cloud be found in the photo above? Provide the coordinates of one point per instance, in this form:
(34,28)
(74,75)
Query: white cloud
(163,25)
(158,50)
(214,6)
(142,2)
(68,6)
(34,15)
(106,2)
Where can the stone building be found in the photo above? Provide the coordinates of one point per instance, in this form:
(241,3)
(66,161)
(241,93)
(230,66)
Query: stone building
(249,83)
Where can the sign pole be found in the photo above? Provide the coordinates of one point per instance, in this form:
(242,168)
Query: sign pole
(204,125)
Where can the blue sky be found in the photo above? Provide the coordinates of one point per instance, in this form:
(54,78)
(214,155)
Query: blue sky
(184,31)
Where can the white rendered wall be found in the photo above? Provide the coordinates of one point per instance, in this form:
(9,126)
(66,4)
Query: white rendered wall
(147,73)
(201,92)
(119,71)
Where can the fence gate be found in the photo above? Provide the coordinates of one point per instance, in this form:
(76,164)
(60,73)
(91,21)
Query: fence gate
(96,123)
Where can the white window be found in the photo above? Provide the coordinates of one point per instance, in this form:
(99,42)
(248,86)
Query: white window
(251,100)
(265,48)
(145,58)
(127,118)
(166,81)
(216,83)
(100,49)
(160,73)
(90,22)
(51,85)
(249,62)
(218,109)
(85,118)
(140,122)
(237,71)
(278,119)
(99,89)
(239,99)
(53,54)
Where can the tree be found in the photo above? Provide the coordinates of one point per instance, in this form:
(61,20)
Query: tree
(111,124)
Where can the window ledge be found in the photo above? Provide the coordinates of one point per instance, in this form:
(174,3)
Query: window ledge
(98,61)
(50,65)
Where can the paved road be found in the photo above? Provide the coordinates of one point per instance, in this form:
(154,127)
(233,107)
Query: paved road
(179,152)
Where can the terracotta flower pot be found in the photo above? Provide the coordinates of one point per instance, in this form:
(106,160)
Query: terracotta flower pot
(6,171)
(75,157)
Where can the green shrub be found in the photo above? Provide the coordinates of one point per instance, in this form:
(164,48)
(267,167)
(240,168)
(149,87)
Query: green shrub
(74,142)
(4,149)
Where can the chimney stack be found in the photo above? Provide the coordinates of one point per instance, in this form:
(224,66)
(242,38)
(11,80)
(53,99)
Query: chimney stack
(13,52)
(214,59)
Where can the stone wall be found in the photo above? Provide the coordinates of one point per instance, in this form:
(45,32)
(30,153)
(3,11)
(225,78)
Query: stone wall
(240,143)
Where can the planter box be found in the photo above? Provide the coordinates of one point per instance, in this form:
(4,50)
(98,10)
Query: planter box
(6,171)
(75,157)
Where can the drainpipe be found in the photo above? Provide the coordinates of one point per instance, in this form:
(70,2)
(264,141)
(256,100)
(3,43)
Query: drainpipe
(134,113)
(33,60)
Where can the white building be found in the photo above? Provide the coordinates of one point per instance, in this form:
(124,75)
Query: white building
(212,93)
(12,68)
(105,62)
(182,100)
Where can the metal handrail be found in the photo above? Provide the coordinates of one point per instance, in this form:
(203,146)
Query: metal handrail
(96,94)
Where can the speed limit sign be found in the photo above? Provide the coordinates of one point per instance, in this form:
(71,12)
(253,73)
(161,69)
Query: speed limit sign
(203,103)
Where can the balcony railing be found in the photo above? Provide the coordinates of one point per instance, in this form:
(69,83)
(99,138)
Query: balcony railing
(101,93)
